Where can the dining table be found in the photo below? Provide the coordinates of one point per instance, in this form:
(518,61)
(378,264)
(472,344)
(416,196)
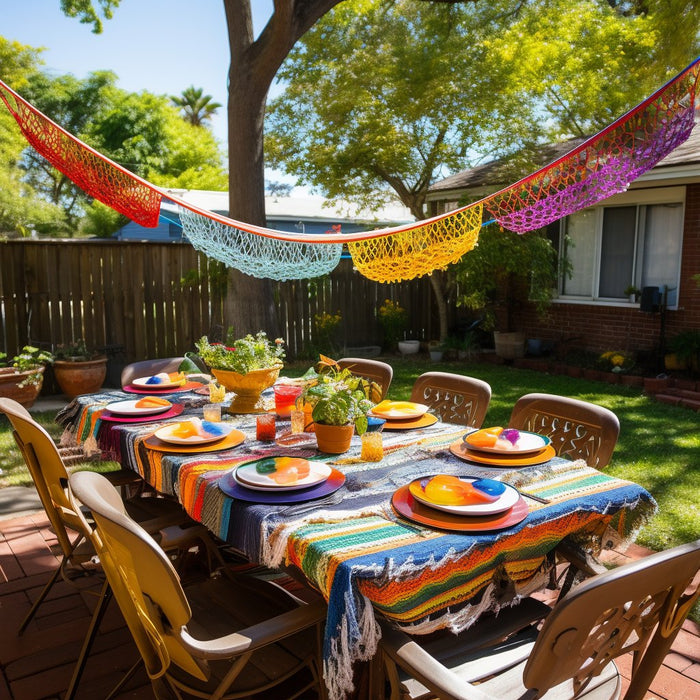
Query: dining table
(362,537)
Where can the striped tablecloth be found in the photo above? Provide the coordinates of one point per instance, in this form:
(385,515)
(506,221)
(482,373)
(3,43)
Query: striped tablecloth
(363,557)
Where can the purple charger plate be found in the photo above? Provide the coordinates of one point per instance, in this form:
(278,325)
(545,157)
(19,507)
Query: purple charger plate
(232,488)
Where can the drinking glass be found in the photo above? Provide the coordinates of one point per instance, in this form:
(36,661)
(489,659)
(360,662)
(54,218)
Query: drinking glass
(265,429)
(212,412)
(298,419)
(285,398)
(372,449)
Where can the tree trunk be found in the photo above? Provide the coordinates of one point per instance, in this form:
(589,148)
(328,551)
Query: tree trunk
(249,305)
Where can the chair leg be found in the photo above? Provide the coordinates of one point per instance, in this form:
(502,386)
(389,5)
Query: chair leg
(95,622)
(59,571)
(125,679)
(39,600)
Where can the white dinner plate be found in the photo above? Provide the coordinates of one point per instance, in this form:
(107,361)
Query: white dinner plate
(399,410)
(505,501)
(527,443)
(129,408)
(143,383)
(219,433)
(248,475)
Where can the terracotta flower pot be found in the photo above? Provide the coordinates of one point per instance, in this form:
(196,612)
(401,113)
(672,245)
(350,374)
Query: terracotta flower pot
(24,395)
(334,439)
(76,378)
(247,387)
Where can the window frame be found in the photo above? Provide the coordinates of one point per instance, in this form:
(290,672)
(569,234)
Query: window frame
(640,199)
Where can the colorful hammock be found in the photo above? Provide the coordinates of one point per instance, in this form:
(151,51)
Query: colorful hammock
(256,255)
(606,163)
(603,165)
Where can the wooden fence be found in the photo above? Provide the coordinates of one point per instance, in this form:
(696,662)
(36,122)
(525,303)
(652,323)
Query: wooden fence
(146,299)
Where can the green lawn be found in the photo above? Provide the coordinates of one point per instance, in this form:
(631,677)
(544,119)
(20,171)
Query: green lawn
(659,445)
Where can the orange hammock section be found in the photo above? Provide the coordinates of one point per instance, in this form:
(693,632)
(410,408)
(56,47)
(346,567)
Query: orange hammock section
(100,177)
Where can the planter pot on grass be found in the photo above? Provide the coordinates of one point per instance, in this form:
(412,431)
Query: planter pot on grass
(409,347)
(76,378)
(24,395)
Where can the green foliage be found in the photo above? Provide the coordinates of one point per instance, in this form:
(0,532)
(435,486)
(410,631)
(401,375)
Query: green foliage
(75,351)
(142,132)
(338,397)
(196,107)
(30,358)
(325,330)
(393,319)
(503,269)
(382,96)
(243,355)
(20,210)
(686,346)
(101,221)
(89,12)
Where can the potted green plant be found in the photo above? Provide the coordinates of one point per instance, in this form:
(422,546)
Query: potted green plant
(633,293)
(503,271)
(684,351)
(78,369)
(340,405)
(393,319)
(22,376)
(245,366)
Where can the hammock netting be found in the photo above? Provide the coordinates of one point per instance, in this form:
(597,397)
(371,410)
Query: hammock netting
(418,251)
(257,255)
(603,165)
(98,176)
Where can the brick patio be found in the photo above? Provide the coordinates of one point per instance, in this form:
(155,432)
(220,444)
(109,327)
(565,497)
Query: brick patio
(39,664)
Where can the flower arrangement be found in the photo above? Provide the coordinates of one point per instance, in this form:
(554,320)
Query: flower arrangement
(244,355)
(616,361)
(32,360)
(338,397)
(326,325)
(393,319)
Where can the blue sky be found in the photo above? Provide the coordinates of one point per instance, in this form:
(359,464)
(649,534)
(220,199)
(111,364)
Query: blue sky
(162,46)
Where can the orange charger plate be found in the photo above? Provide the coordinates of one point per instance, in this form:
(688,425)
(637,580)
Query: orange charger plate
(235,437)
(411,423)
(407,506)
(460,449)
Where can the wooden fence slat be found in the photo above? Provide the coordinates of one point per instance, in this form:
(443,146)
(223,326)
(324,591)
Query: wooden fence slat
(125,294)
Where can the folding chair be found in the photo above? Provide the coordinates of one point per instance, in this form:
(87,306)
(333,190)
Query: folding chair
(639,608)
(226,636)
(163,517)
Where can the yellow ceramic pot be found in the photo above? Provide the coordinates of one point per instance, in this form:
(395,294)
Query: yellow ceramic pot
(247,387)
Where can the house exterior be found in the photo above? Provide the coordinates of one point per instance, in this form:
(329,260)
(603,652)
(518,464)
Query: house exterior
(647,237)
(306,214)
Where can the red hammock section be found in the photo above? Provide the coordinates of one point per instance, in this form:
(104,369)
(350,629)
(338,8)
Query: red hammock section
(606,163)
(100,177)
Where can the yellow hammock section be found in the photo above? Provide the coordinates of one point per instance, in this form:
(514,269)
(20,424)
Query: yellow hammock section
(420,250)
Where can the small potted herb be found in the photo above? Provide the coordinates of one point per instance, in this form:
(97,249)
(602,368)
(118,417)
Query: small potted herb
(340,405)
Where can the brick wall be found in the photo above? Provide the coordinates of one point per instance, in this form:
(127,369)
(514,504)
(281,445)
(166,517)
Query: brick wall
(612,327)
